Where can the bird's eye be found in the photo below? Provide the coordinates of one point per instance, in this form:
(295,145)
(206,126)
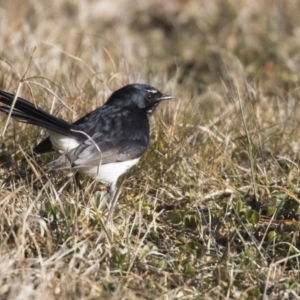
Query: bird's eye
(151,95)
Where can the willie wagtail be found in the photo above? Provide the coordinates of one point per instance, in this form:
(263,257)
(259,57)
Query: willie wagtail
(106,142)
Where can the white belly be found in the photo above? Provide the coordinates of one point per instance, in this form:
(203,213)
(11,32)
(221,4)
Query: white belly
(109,173)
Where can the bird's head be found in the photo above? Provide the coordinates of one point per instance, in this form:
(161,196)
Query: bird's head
(143,96)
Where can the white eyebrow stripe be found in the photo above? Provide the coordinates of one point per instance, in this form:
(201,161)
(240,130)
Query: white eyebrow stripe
(152,91)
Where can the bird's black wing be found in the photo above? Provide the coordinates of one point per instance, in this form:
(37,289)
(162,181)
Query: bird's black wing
(115,134)
(91,118)
(99,121)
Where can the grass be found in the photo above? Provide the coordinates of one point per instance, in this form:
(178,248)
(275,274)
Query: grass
(212,209)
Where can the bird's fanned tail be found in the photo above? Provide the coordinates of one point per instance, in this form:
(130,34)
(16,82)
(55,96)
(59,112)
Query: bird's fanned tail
(25,111)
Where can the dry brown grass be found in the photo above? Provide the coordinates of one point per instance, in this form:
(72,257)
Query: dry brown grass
(212,210)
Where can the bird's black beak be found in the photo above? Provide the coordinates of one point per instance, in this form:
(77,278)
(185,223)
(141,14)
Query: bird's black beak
(165,97)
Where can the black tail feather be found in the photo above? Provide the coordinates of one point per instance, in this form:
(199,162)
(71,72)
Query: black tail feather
(25,111)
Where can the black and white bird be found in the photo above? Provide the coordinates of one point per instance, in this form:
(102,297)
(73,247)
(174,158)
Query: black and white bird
(106,142)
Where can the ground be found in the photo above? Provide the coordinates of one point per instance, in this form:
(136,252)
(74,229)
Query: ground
(212,209)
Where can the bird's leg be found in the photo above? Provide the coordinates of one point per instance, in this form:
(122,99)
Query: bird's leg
(110,189)
(114,195)
(77,181)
